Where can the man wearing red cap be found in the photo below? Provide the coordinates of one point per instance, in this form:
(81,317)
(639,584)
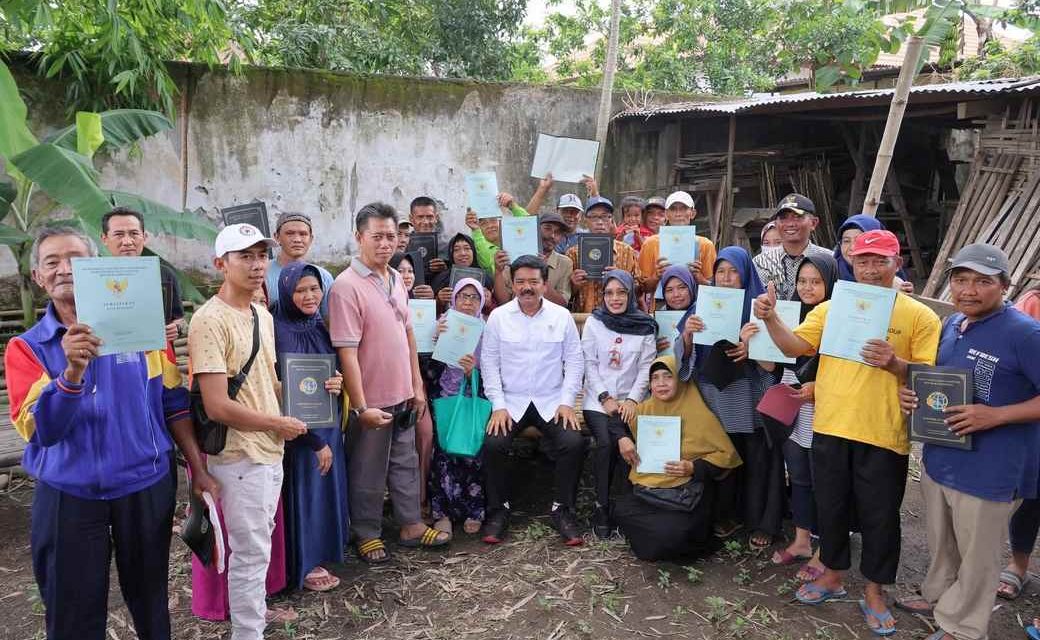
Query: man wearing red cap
(860,447)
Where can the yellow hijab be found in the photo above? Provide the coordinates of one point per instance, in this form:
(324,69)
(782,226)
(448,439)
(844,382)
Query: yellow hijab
(702,433)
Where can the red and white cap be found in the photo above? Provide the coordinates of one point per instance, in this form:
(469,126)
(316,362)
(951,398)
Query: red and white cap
(878,242)
(236,237)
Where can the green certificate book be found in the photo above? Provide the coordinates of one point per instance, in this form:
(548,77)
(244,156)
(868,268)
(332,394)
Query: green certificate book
(668,327)
(658,440)
(304,396)
(459,339)
(424,324)
(761,347)
(857,313)
(520,236)
(678,245)
(121,300)
(721,309)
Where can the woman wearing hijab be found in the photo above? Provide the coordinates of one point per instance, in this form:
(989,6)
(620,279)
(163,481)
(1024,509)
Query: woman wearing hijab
(619,343)
(770,236)
(732,386)
(677,291)
(462,252)
(847,233)
(456,482)
(815,282)
(404,263)
(315,488)
(659,526)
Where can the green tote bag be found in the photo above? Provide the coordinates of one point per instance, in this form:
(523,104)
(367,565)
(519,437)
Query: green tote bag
(461,420)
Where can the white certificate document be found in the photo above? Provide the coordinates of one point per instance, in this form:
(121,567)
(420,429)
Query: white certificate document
(567,159)
(668,327)
(424,324)
(658,440)
(761,347)
(721,309)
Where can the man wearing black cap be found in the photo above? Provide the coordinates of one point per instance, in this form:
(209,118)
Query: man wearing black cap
(970,494)
(795,219)
(294,235)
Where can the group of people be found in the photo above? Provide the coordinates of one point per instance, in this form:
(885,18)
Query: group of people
(101,430)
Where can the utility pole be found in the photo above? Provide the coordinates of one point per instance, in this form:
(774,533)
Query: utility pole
(607,89)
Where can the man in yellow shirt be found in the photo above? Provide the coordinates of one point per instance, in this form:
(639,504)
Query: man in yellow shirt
(860,447)
(680,211)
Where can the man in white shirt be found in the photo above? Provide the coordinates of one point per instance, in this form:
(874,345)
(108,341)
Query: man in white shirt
(532,365)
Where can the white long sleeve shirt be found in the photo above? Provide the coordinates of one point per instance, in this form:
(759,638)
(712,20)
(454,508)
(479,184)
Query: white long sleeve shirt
(531,359)
(628,378)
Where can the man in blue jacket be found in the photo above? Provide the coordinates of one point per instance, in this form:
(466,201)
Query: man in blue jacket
(98,443)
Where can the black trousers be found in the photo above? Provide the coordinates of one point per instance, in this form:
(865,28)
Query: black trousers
(566,447)
(607,430)
(754,493)
(72,544)
(857,483)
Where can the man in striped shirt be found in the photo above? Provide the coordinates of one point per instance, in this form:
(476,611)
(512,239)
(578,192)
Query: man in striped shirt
(795,219)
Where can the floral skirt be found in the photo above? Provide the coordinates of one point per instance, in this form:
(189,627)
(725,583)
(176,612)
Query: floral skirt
(456,487)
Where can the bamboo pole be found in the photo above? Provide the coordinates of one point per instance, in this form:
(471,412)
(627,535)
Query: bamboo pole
(607,90)
(895,118)
(726,216)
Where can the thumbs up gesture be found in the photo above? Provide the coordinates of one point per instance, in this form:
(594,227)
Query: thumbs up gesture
(765,304)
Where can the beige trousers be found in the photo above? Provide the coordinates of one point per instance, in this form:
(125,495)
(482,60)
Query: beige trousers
(965,538)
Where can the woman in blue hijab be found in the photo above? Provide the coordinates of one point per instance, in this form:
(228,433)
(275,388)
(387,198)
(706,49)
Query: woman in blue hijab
(847,232)
(678,291)
(315,485)
(732,386)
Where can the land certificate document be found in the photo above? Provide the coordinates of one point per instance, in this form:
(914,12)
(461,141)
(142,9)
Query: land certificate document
(668,327)
(658,440)
(121,300)
(459,339)
(678,245)
(567,159)
(424,324)
(304,395)
(721,309)
(482,194)
(520,236)
(761,346)
(938,388)
(858,313)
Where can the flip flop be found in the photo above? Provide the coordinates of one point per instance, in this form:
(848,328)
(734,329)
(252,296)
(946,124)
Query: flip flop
(726,529)
(1011,579)
(903,604)
(368,547)
(820,595)
(787,558)
(881,616)
(939,635)
(809,573)
(1032,632)
(320,580)
(428,540)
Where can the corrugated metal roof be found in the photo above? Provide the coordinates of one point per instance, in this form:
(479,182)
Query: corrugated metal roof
(814,100)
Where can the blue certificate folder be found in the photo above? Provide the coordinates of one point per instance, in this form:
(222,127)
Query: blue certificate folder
(121,300)
(520,236)
(459,339)
(761,346)
(668,327)
(857,313)
(678,245)
(424,324)
(482,194)
(304,396)
(658,440)
(721,309)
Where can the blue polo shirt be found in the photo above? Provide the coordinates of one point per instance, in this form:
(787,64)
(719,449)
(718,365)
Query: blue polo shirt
(1003,352)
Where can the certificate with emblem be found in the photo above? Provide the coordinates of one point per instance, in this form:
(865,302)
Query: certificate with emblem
(254,213)
(424,324)
(458,273)
(857,313)
(668,327)
(520,236)
(658,440)
(459,339)
(721,309)
(761,347)
(678,245)
(595,254)
(423,245)
(482,194)
(304,396)
(121,300)
(938,388)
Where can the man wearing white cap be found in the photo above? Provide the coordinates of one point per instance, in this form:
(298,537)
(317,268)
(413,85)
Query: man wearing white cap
(680,211)
(569,207)
(221,338)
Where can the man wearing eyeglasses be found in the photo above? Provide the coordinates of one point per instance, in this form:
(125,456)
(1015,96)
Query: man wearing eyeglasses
(588,294)
(123,234)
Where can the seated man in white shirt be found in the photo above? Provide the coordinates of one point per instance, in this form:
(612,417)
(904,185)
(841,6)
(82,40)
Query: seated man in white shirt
(532,365)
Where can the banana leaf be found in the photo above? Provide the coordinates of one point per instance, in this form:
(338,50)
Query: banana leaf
(119,127)
(65,176)
(158,218)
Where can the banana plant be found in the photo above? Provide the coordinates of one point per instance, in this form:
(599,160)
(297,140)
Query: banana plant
(59,172)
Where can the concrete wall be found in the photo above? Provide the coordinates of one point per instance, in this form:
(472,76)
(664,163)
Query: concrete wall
(327,143)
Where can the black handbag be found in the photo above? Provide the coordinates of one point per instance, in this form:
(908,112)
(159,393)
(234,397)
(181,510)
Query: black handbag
(685,497)
(210,434)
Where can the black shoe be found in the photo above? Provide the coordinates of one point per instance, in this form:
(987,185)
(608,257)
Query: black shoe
(563,521)
(495,526)
(601,523)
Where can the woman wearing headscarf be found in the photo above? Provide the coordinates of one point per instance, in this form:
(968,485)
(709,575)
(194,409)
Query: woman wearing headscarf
(668,516)
(677,292)
(404,263)
(456,485)
(462,252)
(815,281)
(619,342)
(315,488)
(770,236)
(847,233)
(732,386)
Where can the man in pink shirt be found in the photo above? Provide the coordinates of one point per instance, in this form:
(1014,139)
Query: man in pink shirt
(371,328)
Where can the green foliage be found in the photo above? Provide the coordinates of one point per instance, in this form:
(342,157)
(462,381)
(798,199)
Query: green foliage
(1001,62)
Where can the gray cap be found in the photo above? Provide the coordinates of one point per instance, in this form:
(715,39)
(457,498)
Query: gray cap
(656,201)
(983,258)
(291,216)
(570,201)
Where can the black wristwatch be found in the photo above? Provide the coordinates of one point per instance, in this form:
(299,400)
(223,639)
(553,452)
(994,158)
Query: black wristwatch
(355,412)
(603,397)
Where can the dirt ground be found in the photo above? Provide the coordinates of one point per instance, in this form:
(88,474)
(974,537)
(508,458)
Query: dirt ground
(530,587)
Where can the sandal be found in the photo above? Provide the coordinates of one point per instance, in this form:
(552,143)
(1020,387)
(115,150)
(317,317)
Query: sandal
(320,580)
(429,539)
(819,595)
(726,529)
(906,604)
(1014,582)
(881,616)
(809,573)
(764,541)
(368,549)
(785,558)
(472,525)
(281,616)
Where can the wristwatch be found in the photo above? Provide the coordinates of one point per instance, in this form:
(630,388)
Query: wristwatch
(603,397)
(355,412)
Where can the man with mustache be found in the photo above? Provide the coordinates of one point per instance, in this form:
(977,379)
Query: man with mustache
(532,365)
(795,219)
(293,233)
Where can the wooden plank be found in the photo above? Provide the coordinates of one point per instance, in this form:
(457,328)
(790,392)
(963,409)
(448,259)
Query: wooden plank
(895,192)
